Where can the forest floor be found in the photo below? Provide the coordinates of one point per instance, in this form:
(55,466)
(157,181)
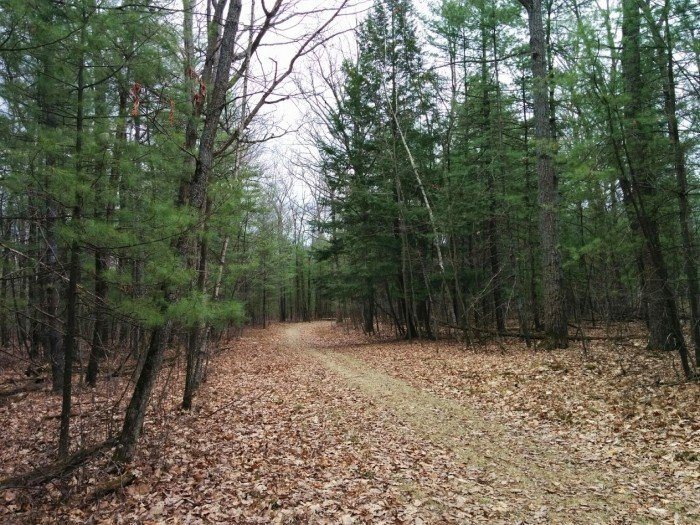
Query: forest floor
(313,423)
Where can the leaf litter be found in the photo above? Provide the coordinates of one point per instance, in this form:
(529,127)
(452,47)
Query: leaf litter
(313,424)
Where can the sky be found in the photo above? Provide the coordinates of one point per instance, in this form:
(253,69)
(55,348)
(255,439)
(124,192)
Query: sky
(286,158)
(293,118)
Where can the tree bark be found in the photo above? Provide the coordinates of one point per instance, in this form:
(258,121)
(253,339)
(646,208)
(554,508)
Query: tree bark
(48,270)
(70,343)
(639,189)
(665,60)
(553,298)
(133,420)
(136,411)
(105,207)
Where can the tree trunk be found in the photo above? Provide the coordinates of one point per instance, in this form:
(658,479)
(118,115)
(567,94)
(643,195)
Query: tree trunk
(136,411)
(105,207)
(553,299)
(5,330)
(666,64)
(368,312)
(640,192)
(71,340)
(48,270)
(197,199)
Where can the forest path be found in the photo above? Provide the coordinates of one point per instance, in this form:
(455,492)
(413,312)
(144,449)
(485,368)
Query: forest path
(522,477)
(311,423)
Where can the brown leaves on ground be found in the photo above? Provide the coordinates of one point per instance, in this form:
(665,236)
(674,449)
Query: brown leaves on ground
(621,410)
(314,424)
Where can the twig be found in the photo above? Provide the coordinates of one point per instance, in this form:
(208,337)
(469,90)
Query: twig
(46,473)
(112,486)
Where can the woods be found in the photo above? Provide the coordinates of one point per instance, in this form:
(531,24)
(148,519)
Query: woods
(484,174)
(550,185)
(128,177)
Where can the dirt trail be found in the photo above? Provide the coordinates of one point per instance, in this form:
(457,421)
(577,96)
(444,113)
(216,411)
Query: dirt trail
(524,466)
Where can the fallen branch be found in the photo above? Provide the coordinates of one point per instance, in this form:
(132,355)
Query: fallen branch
(112,485)
(16,382)
(516,335)
(58,469)
(33,387)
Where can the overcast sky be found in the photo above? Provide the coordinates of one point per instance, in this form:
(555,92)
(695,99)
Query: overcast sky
(283,155)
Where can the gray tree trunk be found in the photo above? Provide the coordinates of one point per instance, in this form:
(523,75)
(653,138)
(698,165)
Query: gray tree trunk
(639,188)
(553,295)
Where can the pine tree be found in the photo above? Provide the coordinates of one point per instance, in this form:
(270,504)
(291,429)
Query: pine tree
(553,300)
